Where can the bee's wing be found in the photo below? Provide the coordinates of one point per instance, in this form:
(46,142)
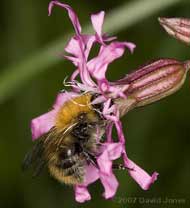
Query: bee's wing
(34,158)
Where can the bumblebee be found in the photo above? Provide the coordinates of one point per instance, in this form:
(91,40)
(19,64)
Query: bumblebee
(71,144)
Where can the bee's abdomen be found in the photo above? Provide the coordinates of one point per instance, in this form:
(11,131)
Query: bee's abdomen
(69,171)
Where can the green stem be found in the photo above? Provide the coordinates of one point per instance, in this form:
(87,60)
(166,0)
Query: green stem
(14,77)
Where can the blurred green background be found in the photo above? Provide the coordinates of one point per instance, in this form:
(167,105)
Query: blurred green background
(32,74)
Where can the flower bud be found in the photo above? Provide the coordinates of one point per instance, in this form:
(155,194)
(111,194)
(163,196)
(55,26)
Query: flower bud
(179,28)
(152,82)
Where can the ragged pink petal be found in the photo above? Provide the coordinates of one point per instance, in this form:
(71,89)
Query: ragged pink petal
(118,91)
(42,124)
(80,46)
(91,175)
(112,151)
(74,75)
(110,184)
(82,194)
(97,23)
(104,163)
(76,47)
(107,38)
(72,59)
(120,133)
(98,65)
(108,53)
(115,119)
(72,15)
(85,76)
(109,111)
(73,47)
(130,46)
(109,128)
(139,175)
(88,41)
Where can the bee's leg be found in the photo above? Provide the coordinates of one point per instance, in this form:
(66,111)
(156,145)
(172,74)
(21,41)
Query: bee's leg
(91,159)
(117,166)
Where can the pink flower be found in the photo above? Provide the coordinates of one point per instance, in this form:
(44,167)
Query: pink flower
(92,74)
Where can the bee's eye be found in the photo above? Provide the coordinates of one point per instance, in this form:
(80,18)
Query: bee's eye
(65,153)
(69,152)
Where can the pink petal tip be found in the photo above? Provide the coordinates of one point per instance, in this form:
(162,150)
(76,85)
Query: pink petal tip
(81,194)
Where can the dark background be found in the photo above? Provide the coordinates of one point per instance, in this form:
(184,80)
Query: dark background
(157,135)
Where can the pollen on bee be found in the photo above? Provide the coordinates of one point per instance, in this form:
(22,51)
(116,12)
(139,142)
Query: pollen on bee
(71,109)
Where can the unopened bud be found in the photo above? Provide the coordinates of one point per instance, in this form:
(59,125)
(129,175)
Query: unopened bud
(152,82)
(179,28)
